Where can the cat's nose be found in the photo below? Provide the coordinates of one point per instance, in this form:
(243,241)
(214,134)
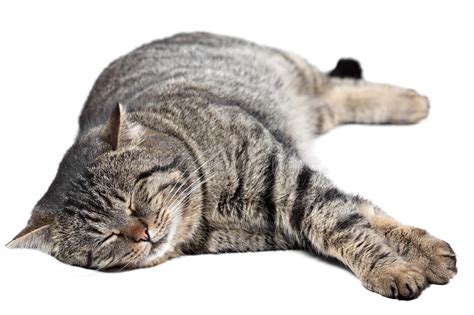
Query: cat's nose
(139,233)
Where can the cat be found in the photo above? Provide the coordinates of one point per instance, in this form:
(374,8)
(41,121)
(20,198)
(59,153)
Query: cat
(198,143)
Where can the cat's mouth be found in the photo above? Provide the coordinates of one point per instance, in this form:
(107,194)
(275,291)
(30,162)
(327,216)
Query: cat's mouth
(160,241)
(159,247)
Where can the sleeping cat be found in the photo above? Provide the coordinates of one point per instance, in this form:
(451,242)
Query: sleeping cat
(198,143)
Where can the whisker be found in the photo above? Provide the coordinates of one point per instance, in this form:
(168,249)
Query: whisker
(176,184)
(186,193)
(181,199)
(197,180)
(133,256)
(194,183)
(193,172)
(182,161)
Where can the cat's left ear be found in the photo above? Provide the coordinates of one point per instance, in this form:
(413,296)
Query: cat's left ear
(34,237)
(120,132)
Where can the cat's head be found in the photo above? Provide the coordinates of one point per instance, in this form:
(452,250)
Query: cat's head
(114,202)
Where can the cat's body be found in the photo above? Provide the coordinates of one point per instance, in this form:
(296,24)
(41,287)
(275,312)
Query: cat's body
(207,154)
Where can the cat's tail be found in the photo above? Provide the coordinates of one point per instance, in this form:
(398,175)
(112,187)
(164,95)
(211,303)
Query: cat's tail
(347,68)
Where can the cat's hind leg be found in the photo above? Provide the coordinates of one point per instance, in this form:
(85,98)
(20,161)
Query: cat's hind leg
(435,257)
(346,99)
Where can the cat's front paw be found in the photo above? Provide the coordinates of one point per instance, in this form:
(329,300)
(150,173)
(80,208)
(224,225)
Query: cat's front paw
(435,257)
(397,280)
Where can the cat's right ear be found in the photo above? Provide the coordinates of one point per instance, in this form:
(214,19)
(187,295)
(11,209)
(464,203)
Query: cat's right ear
(119,131)
(34,237)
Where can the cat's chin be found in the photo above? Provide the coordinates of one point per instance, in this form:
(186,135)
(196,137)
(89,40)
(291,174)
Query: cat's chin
(158,250)
(157,246)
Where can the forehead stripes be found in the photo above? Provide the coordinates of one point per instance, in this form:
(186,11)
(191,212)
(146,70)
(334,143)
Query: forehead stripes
(159,168)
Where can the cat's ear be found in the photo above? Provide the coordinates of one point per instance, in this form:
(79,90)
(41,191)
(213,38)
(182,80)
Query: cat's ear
(119,132)
(34,237)
(114,125)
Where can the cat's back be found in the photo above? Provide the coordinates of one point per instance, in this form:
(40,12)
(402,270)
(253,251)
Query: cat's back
(201,63)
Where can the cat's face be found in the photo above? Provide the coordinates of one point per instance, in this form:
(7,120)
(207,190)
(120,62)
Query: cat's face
(121,208)
(121,212)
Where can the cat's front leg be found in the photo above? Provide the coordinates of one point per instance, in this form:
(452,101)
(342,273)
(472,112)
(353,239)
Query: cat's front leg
(341,232)
(331,222)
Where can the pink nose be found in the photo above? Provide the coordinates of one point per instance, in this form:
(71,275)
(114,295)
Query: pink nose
(138,233)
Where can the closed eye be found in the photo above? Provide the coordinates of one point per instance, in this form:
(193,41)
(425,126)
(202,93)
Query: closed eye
(110,238)
(129,210)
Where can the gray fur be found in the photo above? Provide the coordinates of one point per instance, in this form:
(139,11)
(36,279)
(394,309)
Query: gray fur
(207,154)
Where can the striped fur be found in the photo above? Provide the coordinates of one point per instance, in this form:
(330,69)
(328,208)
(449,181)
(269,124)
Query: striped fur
(207,154)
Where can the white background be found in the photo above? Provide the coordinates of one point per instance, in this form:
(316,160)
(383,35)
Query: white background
(51,54)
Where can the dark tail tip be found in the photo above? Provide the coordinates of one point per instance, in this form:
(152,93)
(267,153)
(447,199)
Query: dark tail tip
(347,68)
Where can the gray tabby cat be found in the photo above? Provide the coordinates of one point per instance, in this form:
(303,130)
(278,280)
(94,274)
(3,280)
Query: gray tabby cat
(207,155)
